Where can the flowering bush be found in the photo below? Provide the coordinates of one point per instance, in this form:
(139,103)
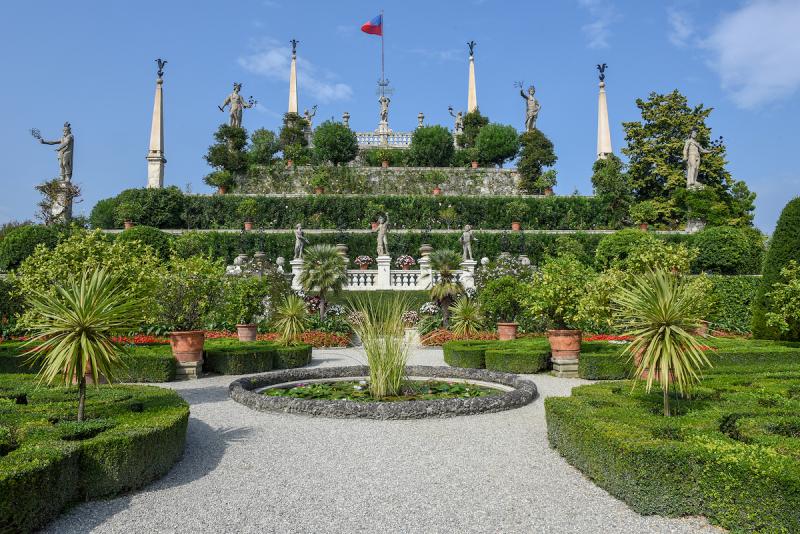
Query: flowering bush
(405,260)
(312,304)
(429,308)
(140,339)
(335,310)
(410,318)
(607,337)
(441,336)
(504,265)
(315,338)
(363,260)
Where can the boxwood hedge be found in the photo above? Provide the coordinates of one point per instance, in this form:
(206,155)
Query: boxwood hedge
(517,360)
(731,453)
(519,356)
(133,435)
(233,357)
(292,356)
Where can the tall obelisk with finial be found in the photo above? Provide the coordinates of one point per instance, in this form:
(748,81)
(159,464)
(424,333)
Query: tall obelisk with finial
(472,96)
(293,79)
(603,130)
(155,156)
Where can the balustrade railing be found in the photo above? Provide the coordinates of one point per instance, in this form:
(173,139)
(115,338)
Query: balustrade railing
(387,139)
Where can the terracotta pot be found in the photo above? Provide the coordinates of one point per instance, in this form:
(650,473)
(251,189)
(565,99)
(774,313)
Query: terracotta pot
(437,191)
(222,189)
(289,163)
(564,344)
(548,191)
(128,225)
(248,225)
(187,346)
(374,226)
(701,330)
(515,226)
(507,331)
(319,190)
(405,267)
(643,226)
(385,163)
(247,332)
(474,164)
(637,359)
(363,267)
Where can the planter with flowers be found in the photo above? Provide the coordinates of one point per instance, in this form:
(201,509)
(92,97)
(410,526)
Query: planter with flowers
(363,262)
(405,262)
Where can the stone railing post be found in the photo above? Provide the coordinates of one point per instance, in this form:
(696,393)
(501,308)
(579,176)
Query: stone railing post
(425,276)
(468,273)
(297,270)
(384,279)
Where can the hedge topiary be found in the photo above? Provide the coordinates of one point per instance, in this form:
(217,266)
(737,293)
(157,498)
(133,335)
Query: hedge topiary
(239,358)
(784,247)
(614,248)
(431,146)
(517,360)
(153,237)
(728,250)
(466,353)
(160,208)
(20,243)
(292,356)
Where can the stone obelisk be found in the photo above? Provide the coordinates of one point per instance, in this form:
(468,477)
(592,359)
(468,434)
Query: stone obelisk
(155,156)
(472,96)
(293,79)
(603,129)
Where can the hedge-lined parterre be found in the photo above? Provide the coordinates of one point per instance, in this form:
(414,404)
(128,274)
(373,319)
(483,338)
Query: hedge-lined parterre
(132,435)
(529,355)
(233,357)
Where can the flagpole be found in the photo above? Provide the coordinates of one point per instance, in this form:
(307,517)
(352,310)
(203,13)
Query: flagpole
(383,30)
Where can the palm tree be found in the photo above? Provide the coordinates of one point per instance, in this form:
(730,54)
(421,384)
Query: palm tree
(658,310)
(72,333)
(467,316)
(290,319)
(446,288)
(324,271)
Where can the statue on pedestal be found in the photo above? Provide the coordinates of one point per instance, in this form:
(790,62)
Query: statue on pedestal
(237,105)
(309,116)
(691,155)
(383,229)
(420,119)
(384,102)
(300,242)
(346,119)
(532,107)
(64,150)
(466,240)
(601,67)
(458,127)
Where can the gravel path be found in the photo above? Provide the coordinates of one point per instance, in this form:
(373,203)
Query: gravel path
(247,471)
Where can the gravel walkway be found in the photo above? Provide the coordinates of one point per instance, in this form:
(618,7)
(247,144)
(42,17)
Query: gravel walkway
(246,471)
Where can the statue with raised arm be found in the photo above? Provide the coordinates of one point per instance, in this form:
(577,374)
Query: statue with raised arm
(309,116)
(601,67)
(300,242)
(384,102)
(383,229)
(458,127)
(532,108)
(471,46)
(64,150)
(237,105)
(466,240)
(692,150)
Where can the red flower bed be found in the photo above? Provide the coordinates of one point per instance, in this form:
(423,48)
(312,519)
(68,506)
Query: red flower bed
(140,339)
(607,337)
(438,337)
(315,338)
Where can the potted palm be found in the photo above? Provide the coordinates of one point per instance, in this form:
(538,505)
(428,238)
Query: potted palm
(501,301)
(445,288)
(517,211)
(244,296)
(127,212)
(324,272)
(248,210)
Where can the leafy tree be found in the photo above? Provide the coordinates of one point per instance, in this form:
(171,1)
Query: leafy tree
(335,142)
(727,250)
(292,137)
(473,122)
(324,272)
(228,153)
(189,292)
(74,332)
(446,288)
(537,153)
(264,145)
(613,188)
(497,143)
(431,146)
(557,290)
(501,299)
(20,243)
(657,170)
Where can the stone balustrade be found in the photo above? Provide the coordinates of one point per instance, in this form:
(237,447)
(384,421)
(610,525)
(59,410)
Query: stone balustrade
(384,139)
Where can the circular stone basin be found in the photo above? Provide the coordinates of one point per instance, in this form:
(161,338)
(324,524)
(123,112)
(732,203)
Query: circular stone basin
(514,392)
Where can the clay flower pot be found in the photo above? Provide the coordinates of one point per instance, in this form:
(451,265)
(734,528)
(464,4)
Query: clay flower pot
(187,346)
(247,332)
(405,267)
(643,226)
(128,225)
(474,164)
(248,225)
(515,226)
(548,191)
(701,330)
(289,163)
(564,344)
(385,163)
(507,331)
(637,360)
(363,266)
(374,225)
(319,190)
(222,190)
(437,191)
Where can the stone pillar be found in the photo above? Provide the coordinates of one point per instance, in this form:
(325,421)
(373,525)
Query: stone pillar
(472,97)
(603,130)
(61,209)
(293,85)
(468,273)
(297,269)
(384,278)
(155,156)
(425,279)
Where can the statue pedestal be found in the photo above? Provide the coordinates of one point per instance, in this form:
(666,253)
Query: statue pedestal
(468,273)
(61,209)
(694,226)
(384,278)
(425,278)
(297,270)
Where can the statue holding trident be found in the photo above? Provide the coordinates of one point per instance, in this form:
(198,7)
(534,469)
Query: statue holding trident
(383,229)
(64,150)
(237,105)
(692,150)
(532,106)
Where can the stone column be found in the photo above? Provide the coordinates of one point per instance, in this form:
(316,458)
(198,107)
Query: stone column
(61,209)
(155,156)
(468,273)
(384,278)
(472,97)
(425,279)
(297,270)
(293,85)
(603,130)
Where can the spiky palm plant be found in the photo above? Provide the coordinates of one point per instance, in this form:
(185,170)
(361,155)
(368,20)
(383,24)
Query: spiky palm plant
(446,288)
(657,309)
(324,271)
(291,319)
(73,333)
(466,316)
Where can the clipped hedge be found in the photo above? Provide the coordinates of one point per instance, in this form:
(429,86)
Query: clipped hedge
(517,360)
(728,250)
(134,436)
(602,361)
(732,297)
(731,453)
(529,355)
(20,243)
(292,356)
(233,357)
(466,353)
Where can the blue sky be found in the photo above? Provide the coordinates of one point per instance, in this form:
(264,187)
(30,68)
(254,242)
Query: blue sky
(92,63)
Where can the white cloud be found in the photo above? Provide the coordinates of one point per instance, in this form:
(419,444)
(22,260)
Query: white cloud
(598,31)
(273,61)
(681,27)
(756,51)
(451,54)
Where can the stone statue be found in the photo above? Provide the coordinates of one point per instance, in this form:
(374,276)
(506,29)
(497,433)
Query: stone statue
(532,108)
(384,102)
(466,240)
(161,63)
(471,46)
(309,116)
(300,242)
(420,119)
(602,68)
(237,104)
(691,155)
(294,46)
(64,150)
(346,119)
(383,229)
(458,127)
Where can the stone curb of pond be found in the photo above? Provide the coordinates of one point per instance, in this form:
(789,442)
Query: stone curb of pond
(523,392)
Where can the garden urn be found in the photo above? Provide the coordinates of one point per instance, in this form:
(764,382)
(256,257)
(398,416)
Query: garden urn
(564,344)
(248,225)
(474,164)
(128,225)
(247,332)
(425,249)
(187,346)
(507,331)
(515,226)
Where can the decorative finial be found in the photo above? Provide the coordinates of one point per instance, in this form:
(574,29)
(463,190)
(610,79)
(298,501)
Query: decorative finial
(294,46)
(602,69)
(161,63)
(471,46)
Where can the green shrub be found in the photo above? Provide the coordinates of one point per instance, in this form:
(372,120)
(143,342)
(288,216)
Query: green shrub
(603,361)
(148,363)
(728,250)
(497,143)
(135,436)
(615,248)
(431,146)
(517,360)
(557,290)
(13,362)
(335,143)
(152,237)
(501,299)
(292,356)
(784,247)
(20,243)
(239,358)
(732,298)
(466,353)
